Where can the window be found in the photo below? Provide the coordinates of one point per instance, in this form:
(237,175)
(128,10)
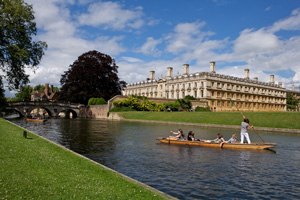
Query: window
(195,84)
(195,94)
(201,93)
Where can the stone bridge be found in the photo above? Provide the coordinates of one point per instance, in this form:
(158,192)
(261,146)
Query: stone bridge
(52,108)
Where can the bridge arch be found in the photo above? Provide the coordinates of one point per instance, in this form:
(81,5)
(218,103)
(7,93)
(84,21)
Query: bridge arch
(52,108)
(69,112)
(16,110)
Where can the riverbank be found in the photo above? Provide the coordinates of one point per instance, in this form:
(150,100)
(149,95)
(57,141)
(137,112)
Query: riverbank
(267,121)
(35,168)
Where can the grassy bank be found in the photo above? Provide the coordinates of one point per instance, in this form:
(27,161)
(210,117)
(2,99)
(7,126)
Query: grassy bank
(37,169)
(260,119)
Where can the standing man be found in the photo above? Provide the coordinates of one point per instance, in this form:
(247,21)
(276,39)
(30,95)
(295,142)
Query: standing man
(244,131)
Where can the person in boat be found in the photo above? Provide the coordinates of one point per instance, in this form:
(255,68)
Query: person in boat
(191,136)
(244,131)
(233,139)
(219,139)
(180,135)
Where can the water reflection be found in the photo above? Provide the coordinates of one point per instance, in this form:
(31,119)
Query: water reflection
(183,171)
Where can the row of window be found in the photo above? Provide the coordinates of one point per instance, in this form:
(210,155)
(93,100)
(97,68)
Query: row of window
(245,88)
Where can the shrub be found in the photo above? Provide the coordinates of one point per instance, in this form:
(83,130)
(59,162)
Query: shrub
(184,103)
(189,97)
(121,109)
(100,101)
(202,109)
(96,101)
(136,103)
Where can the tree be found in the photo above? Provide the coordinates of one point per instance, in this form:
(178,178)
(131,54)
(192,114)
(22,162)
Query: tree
(17,48)
(93,74)
(24,93)
(291,102)
(39,88)
(3,102)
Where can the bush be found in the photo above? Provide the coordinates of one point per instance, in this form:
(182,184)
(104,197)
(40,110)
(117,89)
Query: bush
(189,97)
(174,106)
(202,109)
(121,109)
(185,104)
(96,101)
(138,104)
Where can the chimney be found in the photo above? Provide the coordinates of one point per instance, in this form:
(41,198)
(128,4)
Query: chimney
(246,73)
(272,78)
(185,69)
(152,75)
(256,79)
(293,87)
(170,72)
(51,89)
(47,89)
(280,84)
(212,67)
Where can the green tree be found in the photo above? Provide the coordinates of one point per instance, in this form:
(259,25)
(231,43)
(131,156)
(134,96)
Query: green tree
(3,101)
(17,48)
(291,101)
(92,74)
(39,88)
(24,93)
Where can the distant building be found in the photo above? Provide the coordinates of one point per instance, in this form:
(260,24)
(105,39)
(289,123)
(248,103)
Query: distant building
(296,94)
(46,95)
(215,89)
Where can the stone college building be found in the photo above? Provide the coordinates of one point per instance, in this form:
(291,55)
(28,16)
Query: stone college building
(213,90)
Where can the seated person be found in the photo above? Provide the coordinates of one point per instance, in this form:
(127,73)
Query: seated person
(233,139)
(190,136)
(180,135)
(219,139)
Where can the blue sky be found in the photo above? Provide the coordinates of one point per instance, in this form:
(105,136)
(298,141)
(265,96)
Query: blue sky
(261,35)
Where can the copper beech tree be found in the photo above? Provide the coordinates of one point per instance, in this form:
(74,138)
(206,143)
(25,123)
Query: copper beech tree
(93,74)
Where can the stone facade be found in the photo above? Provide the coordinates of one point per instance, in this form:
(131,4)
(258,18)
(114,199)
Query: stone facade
(214,89)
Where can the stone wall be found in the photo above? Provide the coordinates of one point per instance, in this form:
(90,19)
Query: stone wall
(94,111)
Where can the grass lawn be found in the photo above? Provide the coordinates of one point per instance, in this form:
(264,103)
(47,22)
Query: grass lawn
(261,119)
(37,169)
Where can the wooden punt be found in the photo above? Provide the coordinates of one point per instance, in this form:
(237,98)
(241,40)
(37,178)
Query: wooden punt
(35,120)
(206,143)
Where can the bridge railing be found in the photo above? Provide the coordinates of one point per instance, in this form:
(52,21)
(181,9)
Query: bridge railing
(42,103)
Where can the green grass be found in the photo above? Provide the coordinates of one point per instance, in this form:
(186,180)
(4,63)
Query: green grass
(37,169)
(261,119)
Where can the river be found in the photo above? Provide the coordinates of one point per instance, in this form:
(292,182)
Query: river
(184,172)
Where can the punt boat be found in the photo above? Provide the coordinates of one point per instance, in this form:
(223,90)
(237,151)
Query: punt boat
(208,143)
(35,120)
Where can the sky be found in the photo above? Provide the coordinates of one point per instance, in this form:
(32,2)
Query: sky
(141,35)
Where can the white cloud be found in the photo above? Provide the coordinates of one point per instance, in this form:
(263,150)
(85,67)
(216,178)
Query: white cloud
(64,45)
(185,37)
(290,23)
(149,48)
(111,15)
(131,59)
(251,43)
